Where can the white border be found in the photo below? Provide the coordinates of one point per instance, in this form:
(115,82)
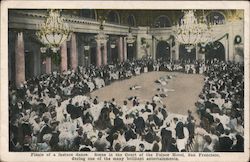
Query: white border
(7,156)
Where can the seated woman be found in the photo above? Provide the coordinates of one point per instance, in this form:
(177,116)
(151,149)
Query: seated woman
(135,87)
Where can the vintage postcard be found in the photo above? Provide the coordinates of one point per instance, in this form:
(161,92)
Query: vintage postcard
(124,81)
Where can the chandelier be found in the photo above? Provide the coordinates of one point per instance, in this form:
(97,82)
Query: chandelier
(130,38)
(101,37)
(191,31)
(53,32)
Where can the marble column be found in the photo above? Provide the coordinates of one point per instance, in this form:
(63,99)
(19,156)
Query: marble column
(125,53)
(153,49)
(177,48)
(171,53)
(36,61)
(48,65)
(104,59)
(98,55)
(19,59)
(196,52)
(73,52)
(120,49)
(64,59)
(138,48)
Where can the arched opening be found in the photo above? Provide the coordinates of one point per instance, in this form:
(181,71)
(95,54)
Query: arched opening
(185,54)
(131,51)
(112,51)
(162,22)
(88,13)
(215,50)
(163,51)
(131,20)
(33,56)
(215,17)
(92,55)
(113,17)
(29,64)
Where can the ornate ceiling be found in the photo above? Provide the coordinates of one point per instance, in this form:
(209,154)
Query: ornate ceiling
(152,18)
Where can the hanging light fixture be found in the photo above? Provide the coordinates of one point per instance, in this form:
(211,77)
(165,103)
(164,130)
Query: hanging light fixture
(101,37)
(53,32)
(86,48)
(191,31)
(130,38)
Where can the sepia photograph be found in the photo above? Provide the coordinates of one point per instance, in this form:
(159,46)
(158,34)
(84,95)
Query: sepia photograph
(166,82)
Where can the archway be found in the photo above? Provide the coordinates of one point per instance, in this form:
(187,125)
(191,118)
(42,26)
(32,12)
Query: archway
(185,54)
(112,51)
(162,22)
(215,50)
(131,20)
(92,55)
(88,13)
(163,51)
(131,51)
(215,17)
(113,17)
(29,64)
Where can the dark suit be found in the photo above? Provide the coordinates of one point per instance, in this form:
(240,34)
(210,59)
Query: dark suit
(150,137)
(209,117)
(220,128)
(179,130)
(173,148)
(225,144)
(118,124)
(139,125)
(130,134)
(26,128)
(190,127)
(76,143)
(157,121)
(74,111)
(115,110)
(166,136)
(44,130)
(164,113)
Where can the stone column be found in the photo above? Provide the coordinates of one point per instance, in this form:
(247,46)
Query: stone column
(64,59)
(98,55)
(120,49)
(171,54)
(19,59)
(177,44)
(225,43)
(48,65)
(230,41)
(125,49)
(138,48)
(73,52)
(104,61)
(196,52)
(36,61)
(227,49)
(153,50)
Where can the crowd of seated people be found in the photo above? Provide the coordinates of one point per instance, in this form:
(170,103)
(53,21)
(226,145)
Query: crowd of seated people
(54,112)
(221,108)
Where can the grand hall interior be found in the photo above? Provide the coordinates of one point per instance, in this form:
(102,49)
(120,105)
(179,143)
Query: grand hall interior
(126,80)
